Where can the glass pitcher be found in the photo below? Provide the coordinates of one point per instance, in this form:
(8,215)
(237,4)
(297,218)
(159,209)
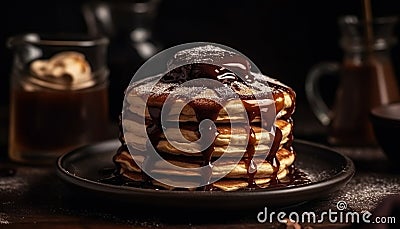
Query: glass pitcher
(365,81)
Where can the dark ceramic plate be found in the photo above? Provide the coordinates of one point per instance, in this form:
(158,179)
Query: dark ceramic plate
(328,170)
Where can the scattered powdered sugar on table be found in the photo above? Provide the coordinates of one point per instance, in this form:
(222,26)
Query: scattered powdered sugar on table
(8,185)
(4,219)
(374,181)
(365,192)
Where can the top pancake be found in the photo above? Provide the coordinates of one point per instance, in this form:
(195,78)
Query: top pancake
(227,101)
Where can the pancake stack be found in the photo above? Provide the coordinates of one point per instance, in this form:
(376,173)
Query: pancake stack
(247,151)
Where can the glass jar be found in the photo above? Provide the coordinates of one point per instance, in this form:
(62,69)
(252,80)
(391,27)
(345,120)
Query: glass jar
(59,95)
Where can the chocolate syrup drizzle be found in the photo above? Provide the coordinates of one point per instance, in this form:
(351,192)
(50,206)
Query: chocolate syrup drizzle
(209,133)
(209,109)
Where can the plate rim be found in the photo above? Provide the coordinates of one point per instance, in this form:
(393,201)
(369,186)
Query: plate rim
(342,177)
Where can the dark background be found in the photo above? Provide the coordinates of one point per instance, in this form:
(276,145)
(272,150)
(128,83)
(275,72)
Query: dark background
(284,38)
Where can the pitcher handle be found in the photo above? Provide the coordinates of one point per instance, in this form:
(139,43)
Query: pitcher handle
(313,90)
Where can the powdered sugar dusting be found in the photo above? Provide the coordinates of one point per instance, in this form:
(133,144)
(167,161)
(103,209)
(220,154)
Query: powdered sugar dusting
(259,77)
(192,92)
(225,93)
(149,88)
(202,54)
